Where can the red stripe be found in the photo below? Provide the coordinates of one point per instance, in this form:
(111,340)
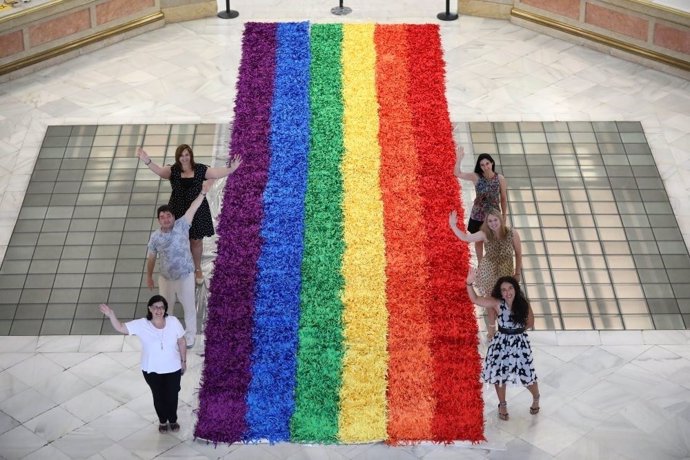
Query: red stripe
(456,362)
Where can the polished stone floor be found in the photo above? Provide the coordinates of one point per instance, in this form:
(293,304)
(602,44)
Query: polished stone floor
(605,394)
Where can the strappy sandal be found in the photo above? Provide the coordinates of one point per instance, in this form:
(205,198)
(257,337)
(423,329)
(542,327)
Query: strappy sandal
(199,276)
(534,410)
(163,428)
(504,406)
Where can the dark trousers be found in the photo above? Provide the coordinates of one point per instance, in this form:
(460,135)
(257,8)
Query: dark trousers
(164,388)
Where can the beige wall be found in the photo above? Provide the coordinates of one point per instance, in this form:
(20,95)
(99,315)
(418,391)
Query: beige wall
(37,36)
(634,29)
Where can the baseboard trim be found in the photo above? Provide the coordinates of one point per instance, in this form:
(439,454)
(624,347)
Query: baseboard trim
(601,39)
(80,43)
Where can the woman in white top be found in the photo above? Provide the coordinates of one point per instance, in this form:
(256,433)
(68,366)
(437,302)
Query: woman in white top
(163,356)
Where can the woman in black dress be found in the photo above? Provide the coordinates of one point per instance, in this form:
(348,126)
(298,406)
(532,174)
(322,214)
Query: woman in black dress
(186,178)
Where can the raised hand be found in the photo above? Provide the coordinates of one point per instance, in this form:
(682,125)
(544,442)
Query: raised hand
(471,275)
(235,162)
(106,310)
(142,155)
(453,219)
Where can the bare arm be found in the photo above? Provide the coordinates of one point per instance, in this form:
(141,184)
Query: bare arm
(161,171)
(517,247)
(117,325)
(458,172)
(504,196)
(472,177)
(470,237)
(491,316)
(529,324)
(459,155)
(484,302)
(182,347)
(219,172)
(189,215)
(150,264)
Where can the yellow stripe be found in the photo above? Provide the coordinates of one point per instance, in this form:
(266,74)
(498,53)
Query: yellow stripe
(363,391)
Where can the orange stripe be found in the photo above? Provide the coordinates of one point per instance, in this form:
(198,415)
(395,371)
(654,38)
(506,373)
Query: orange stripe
(411,400)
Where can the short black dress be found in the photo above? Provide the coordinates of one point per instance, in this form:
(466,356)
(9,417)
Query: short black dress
(184,191)
(509,357)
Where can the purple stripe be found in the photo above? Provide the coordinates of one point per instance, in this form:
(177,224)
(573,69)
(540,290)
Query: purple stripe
(226,374)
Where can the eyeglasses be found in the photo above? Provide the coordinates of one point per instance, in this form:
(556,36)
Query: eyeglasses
(157,307)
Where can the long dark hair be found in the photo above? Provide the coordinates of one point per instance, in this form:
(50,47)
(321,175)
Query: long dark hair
(178,153)
(520,305)
(484,156)
(152,300)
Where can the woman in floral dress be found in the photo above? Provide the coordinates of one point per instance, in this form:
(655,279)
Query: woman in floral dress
(490,190)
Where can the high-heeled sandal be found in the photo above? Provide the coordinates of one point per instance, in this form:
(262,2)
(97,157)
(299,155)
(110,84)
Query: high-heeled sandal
(534,410)
(504,406)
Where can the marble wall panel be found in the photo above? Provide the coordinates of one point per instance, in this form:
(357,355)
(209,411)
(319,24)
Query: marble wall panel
(115,9)
(567,8)
(674,38)
(616,21)
(11,43)
(63,26)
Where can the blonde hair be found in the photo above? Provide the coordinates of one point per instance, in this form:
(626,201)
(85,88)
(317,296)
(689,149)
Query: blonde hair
(502,230)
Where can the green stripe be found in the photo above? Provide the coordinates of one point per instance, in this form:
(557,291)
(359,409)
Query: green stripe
(320,351)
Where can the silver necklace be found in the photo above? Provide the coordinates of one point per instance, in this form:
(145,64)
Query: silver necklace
(162,332)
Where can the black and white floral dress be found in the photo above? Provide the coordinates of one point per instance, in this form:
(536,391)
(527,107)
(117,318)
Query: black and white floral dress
(509,357)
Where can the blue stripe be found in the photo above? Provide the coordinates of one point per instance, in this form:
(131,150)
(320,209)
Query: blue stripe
(276,315)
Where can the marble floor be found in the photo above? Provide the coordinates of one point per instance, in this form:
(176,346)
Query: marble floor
(680,5)
(606,394)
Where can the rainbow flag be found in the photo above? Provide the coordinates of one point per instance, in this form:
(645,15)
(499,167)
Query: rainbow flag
(337,310)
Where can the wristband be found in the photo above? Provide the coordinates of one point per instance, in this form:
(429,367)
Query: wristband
(469,284)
